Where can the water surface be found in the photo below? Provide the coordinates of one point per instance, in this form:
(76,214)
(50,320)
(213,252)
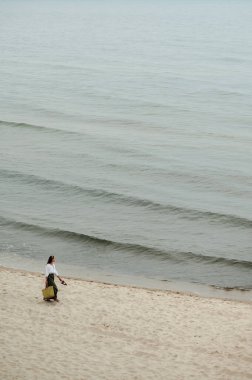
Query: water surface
(126,136)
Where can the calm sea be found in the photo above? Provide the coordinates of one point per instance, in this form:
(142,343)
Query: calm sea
(126,139)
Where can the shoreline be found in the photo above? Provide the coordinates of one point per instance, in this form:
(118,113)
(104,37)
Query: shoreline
(112,332)
(172,290)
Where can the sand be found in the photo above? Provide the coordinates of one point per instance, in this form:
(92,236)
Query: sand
(99,331)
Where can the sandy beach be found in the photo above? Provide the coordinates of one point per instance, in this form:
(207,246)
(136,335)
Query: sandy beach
(100,331)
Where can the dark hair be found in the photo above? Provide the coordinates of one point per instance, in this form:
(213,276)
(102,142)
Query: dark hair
(50,259)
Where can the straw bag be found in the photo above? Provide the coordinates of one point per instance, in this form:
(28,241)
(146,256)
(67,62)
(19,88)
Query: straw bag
(48,292)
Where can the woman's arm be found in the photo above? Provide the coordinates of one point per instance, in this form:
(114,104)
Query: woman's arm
(61,280)
(57,274)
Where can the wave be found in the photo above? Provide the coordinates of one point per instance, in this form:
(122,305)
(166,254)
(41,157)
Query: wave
(131,248)
(13,124)
(231,288)
(73,189)
(76,134)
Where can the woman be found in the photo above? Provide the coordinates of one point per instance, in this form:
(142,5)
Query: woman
(50,271)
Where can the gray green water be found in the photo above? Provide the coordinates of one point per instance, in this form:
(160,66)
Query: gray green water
(125,138)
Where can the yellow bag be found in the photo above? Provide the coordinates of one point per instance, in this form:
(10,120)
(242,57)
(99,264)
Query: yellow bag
(48,292)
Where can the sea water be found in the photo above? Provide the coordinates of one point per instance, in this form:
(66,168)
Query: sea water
(125,138)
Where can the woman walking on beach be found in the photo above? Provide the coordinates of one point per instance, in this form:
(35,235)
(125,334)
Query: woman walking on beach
(50,271)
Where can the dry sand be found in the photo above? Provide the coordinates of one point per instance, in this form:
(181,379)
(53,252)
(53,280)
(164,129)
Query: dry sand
(100,331)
